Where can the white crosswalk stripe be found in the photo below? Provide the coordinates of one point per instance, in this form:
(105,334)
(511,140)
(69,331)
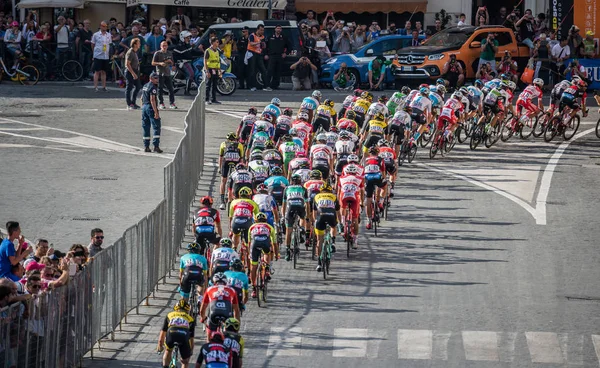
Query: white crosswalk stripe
(350,342)
(596,343)
(544,347)
(481,345)
(285,342)
(415,344)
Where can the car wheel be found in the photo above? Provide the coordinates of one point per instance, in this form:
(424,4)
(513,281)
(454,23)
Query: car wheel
(356,76)
(258,80)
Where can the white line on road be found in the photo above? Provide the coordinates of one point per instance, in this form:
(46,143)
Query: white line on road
(481,345)
(237,116)
(60,110)
(544,347)
(23,129)
(415,344)
(350,342)
(596,343)
(86,110)
(284,341)
(173,129)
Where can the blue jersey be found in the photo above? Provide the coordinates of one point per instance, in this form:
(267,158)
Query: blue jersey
(476,93)
(276,185)
(436,100)
(259,139)
(494,83)
(272,110)
(309,103)
(193,259)
(299,142)
(238,280)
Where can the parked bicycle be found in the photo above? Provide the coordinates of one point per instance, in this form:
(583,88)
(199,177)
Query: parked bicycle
(25,74)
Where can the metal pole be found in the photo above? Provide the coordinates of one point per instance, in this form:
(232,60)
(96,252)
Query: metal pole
(14,9)
(270,13)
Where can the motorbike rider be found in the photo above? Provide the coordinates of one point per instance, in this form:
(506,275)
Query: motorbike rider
(186,52)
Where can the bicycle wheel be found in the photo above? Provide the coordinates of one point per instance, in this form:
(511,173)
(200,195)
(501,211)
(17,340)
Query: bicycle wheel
(259,284)
(173,363)
(426,137)
(506,131)
(551,128)
(493,136)
(571,127)
(41,67)
(348,232)
(461,134)
(28,75)
(313,242)
(72,71)
(265,288)
(323,256)
(540,126)
(528,127)
(475,138)
(412,153)
(386,206)
(449,143)
(434,148)
(598,129)
(294,246)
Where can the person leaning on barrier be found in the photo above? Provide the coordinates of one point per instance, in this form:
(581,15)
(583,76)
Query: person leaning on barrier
(96,240)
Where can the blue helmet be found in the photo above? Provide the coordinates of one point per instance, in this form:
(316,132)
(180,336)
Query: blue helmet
(433,89)
(441,81)
(478,83)
(424,91)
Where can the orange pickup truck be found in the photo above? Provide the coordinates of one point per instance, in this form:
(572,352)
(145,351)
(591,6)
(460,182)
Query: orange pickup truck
(425,63)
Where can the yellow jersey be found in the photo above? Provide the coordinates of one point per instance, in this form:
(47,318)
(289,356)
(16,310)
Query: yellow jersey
(326,111)
(377,127)
(180,320)
(231,151)
(361,106)
(243,207)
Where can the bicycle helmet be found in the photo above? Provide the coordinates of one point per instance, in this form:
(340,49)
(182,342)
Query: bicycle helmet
(329,103)
(232,324)
(261,188)
(219,278)
(424,85)
(344,134)
(300,154)
(269,144)
(383,99)
(424,91)
(206,200)
(383,142)
(333,129)
(353,158)
(184,34)
(260,217)
(326,187)
(374,150)
(225,242)
(182,304)
(369,96)
(193,247)
(252,111)
(478,83)
(350,114)
(317,94)
(464,91)
(217,336)
(304,165)
(286,138)
(504,77)
(351,169)
(405,90)
(504,85)
(321,137)
(441,89)
(266,117)
(538,82)
(288,112)
(441,81)
(256,155)
(276,171)
(296,179)
(582,83)
(457,95)
(245,192)
(512,85)
(293,132)
(357,92)
(240,166)
(316,174)
(231,136)
(236,265)
(378,116)
(275,101)
(303,116)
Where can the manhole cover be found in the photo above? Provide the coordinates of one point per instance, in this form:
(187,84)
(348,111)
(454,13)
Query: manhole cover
(85,219)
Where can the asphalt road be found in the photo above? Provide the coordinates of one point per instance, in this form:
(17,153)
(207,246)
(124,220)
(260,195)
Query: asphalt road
(489,258)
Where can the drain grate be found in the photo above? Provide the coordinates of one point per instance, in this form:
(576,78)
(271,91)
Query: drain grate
(85,219)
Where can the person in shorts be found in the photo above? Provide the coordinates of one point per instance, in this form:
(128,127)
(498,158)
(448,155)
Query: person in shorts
(101,42)
(219,303)
(178,328)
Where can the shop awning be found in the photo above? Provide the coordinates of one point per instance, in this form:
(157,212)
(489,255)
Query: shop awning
(35,4)
(361,6)
(237,4)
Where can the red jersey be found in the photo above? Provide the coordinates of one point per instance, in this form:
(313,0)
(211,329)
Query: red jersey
(303,129)
(387,154)
(320,152)
(220,293)
(374,165)
(313,186)
(449,110)
(347,124)
(529,93)
(350,187)
(360,170)
(207,216)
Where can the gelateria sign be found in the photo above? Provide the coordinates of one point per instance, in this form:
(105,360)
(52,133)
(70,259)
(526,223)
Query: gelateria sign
(244,4)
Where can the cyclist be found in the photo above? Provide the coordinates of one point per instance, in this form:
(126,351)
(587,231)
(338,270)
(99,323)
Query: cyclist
(420,108)
(321,156)
(477,95)
(388,155)
(234,342)
(451,112)
(303,129)
(276,184)
(222,256)
(300,162)
(373,131)
(193,268)
(267,205)
(219,303)
(273,108)
(266,122)
(400,127)
(344,147)
(288,149)
(246,125)
(378,107)
(557,92)
(351,190)
(178,328)
(571,95)
(238,280)
(436,101)
(241,212)
(261,238)
(360,107)
(374,178)
(272,156)
(206,222)
(397,101)
(353,162)
(495,101)
(490,85)
(258,168)
(283,124)
(530,92)
(331,137)
(327,212)
(240,178)
(310,104)
(313,187)
(348,122)
(348,101)
(258,140)
(299,141)
(294,204)
(230,154)
(214,354)
(325,117)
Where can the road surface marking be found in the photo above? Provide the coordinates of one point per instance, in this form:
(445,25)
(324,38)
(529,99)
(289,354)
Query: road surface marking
(571,346)
(506,346)
(22,129)
(59,110)
(544,347)
(350,342)
(415,344)
(285,342)
(481,345)
(173,129)
(237,116)
(596,342)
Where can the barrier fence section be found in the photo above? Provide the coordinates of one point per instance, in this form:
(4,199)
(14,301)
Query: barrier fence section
(60,326)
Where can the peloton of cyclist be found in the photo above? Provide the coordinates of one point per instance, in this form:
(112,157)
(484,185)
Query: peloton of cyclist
(230,154)
(261,237)
(206,222)
(178,328)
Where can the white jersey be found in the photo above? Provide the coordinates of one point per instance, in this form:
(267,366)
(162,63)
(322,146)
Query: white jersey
(378,107)
(348,101)
(401,117)
(223,254)
(421,103)
(332,137)
(320,152)
(344,147)
(265,202)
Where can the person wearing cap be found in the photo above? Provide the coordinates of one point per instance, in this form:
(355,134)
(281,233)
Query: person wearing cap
(150,114)
(574,41)
(12,40)
(590,47)
(241,46)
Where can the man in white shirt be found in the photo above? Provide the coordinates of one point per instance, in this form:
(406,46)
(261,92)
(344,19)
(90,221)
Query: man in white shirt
(62,39)
(182,18)
(101,41)
(560,53)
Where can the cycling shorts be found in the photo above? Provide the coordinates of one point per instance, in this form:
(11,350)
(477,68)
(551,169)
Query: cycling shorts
(220,266)
(324,169)
(568,99)
(342,112)
(321,122)
(240,225)
(372,140)
(418,117)
(341,162)
(527,105)
(360,119)
(219,311)
(390,167)
(279,133)
(495,108)
(372,181)
(191,274)
(291,212)
(259,246)
(181,337)
(354,206)
(443,120)
(398,130)
(324,219)
(225,168)
(211,238)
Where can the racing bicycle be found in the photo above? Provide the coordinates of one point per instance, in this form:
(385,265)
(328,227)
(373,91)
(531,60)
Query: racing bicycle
(296,239)
(326,252)
(348,230)
(261,281)
(563,124)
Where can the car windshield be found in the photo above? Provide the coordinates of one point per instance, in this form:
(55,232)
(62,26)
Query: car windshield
(448,38)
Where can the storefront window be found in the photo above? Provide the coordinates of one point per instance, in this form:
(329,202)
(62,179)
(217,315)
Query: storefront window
(204,17)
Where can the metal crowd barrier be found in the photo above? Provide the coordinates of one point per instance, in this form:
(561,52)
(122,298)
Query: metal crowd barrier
(61,326)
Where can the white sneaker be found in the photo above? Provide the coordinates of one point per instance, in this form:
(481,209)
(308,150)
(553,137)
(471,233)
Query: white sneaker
(253,89)
(173,107)
(222,206)
(161,106)
(337,89)
(268,89)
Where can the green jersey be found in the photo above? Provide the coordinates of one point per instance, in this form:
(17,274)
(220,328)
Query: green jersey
(397,99)
(295,195)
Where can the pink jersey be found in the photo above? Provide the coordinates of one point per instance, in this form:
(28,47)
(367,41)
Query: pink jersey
(450,107)
(530,92)
(350,186)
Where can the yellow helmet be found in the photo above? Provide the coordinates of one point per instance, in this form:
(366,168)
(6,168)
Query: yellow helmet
(245,192)
(182,304)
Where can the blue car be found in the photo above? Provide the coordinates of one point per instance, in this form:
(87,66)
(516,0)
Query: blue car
(358,63)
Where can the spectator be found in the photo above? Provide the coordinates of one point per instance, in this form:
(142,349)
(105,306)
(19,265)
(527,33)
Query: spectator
(42,249)
(163,61)
(512,18)
(480,21)
(233,20)
(101,41)
(541,53)
(453,71)
(374,31)
(343,43)
(83,46)
(541,25)
(392,28)
(8,255)
(132,75)
(438,25)
(482,12)
(162,23)
(560,53)
(321,47)
(501,18)
(155,39)
(256,62)
(590,47)
(419,28)
(376,73)
(508,66)
(150,117)
(314,32)
(359,39)
(328,21)
(212,70)
(526,28)
(77,255)
(342,80)
(135,34)
(12,41)
(195,39)
(406,31)
(186,52)
(242,48)
(33,285)
(575,41)
(44,35)
(171,41)
(276,50)
(96,240)
(227,46)
(183,19)
(112,22)
(489,48)
(576,69)
(414,41)
(30,30)
(309,20)
(302,73)
(461,20)
(62,39)
(483,73)
(304,32)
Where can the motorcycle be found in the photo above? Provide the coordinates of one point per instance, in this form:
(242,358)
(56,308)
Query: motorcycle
(226,85)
